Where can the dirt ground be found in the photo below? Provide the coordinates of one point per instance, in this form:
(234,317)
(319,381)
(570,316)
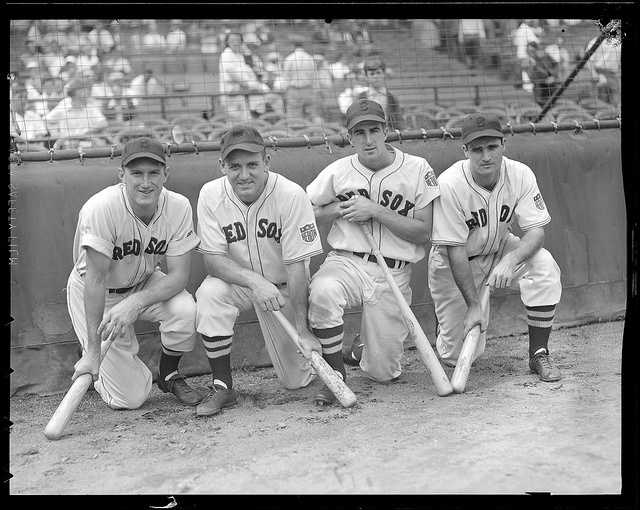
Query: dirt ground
(508,433)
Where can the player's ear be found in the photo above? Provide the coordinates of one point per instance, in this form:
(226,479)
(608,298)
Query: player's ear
(222,168)
(267,160)
(465,150)
(166,172)
(120,173)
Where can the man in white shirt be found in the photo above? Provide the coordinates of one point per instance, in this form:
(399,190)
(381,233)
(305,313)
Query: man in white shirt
(176,38)
(33,86)
(24,123)
(152,40)
(298,76)
(143,85)
(604,66)
(100,38)
(470,35)
(527,32)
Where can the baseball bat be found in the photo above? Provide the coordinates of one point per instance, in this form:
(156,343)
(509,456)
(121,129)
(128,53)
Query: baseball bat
(334,382)
(71,401)
(470,343)
(429,358)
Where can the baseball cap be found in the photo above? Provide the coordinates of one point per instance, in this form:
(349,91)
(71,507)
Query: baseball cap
(245,138)
(364,109)
(476,125)
(143,148)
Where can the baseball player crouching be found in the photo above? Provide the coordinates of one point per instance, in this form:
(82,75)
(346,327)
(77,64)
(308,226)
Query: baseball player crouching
(122,233)
(390,193)
(258,234)
(481,197)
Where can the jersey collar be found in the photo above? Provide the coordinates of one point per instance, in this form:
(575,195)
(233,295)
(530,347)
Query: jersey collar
(466,169)
(268,187)
(162,199)
(392,167)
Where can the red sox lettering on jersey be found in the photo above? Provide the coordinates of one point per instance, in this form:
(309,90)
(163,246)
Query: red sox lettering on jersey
(487,215)
(407,184)
(277,229)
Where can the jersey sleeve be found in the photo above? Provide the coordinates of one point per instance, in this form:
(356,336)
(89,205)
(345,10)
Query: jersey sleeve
(97,228)
(428,188)
(300,236)
(212,239)
(321,190)
(530,210)
(449,226)
(184,239)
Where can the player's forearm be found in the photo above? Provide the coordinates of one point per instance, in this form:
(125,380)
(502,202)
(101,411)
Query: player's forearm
(528,245)
(94,299)
(162,289)
(298,284)
(327,213)
(462,274)
(410,229)
(228,270)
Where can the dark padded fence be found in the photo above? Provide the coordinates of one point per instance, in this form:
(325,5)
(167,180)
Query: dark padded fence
(579,174)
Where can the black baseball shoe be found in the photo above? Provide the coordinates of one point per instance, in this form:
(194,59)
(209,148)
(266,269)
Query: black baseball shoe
(183,392)
(353,356)
(541,364)
(219,398)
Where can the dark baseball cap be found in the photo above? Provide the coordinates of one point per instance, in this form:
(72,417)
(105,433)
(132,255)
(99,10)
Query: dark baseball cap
(476,125)
(245,138)
(143,148)
(364,109)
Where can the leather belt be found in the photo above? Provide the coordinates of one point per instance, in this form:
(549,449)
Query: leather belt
(120,291)
(280,285)
(473,257)
(392,263)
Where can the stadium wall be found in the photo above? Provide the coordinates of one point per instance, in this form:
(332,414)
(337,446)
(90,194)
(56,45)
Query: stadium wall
(580,177)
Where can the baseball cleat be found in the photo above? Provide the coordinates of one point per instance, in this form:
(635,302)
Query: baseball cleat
(324,397)
(183,392)
(541,365)
(354,355)
(220,397)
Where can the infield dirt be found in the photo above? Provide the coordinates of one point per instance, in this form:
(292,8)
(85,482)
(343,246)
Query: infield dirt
(508,433)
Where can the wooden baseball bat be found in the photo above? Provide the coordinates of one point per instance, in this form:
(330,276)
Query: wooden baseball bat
(429,358)
(329,376)
(465,359)
(71,401)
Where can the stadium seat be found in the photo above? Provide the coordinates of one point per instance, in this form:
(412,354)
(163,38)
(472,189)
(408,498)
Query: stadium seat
(607,113)
(465,107)
(421,120)
(216,134)
(455,122)
(129,134)
(570,116)
(316,131)
(272,117)
(501,113)
(162,132)
(186,121)
(277,133)
(593,104)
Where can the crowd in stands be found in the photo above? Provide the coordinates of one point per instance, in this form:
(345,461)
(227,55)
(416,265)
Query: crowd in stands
(75,77)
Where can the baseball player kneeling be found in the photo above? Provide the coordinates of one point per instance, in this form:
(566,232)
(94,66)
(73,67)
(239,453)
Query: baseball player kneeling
(123,231)
(389,193)
(481,197)
(258,233)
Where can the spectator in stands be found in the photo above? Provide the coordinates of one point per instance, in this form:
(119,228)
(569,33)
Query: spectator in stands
(356,84)
(23,117)
(115,60)
(342,66)
(235,76)
(53,90)
(298,76)
(448,30)
(100,38)
(426,34)
(528,31)
(209,38)
(86,59)
(604,67)
(543,72)
(471,36)
(33,85)
(77,114)
(153,40)
(32,53)
(324,90)
(374,71)
(52,59)
(176,38)
(560,55)
(109,90)
(69,69)
(145,84)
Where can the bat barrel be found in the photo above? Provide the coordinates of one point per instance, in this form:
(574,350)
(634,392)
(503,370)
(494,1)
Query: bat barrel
(68,405)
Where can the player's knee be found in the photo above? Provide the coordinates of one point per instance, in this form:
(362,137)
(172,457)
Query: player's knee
(325,294)
(211,289)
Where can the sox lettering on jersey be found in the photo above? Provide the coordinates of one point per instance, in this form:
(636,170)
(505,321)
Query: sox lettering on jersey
(387,200)
(155,246)
(236,232)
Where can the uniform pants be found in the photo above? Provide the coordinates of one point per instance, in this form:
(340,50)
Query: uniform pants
(124,381)
(218,304)
(346,281)
(541,287)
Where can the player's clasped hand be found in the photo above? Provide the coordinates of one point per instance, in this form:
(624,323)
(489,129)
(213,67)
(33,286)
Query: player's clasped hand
(309,344)
(502,275)
(474,317)
(88,364)
(267,296)
(358,209)
(116,321)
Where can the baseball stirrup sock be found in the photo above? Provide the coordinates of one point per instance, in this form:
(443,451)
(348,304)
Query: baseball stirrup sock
(218,350)
(331,341)
(169,361)
(539,320)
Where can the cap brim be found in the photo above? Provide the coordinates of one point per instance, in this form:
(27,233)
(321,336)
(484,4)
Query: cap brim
(249,147)
(479,134)
(139,155)
(364,118)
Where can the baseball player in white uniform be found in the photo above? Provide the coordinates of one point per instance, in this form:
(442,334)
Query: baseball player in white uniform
(123,232)
(391,194)
(258,234)
(481,198)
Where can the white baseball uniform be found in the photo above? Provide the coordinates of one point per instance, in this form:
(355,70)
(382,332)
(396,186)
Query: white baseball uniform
(469,215)
(276,230)
(108,224)
(348,277)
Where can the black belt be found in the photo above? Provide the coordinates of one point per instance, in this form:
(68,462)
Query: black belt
(120,291)
(280,285)
(473,257)
(392,263)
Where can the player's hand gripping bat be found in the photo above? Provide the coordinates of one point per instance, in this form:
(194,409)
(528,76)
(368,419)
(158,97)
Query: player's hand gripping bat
(329,376)
(465,359)
(71,400)
(429,358)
